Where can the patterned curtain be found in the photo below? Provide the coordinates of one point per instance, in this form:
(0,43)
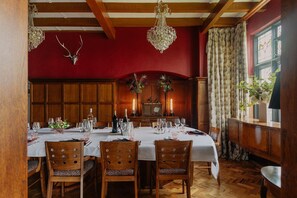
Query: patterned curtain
(227,66)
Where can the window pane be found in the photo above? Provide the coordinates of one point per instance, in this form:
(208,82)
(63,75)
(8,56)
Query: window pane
(279,31)
(264,47)
(279,48)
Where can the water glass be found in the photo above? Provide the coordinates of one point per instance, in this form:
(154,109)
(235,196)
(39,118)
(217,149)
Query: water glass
(177,122)
(80,126)
(35,127)
(28,127)
(50,121)
(183,123)
(131,130)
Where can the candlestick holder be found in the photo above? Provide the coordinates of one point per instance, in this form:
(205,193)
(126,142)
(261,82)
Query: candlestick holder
(171,113)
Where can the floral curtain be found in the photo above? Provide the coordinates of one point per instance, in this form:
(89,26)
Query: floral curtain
(227,66)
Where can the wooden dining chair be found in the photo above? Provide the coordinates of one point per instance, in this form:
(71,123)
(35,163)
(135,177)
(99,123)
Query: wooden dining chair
(173,161)
(35,165)
(65,162)
(119,162)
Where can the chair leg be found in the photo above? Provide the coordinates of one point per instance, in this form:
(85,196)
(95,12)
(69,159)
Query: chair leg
(81,188)
(157,188)
(188,189)
(136,189)
(42,181)
(62,189)
(209,167)
(183,186)
(49,189)
(104,189)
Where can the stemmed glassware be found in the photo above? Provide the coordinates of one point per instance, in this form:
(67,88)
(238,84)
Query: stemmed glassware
(177,122)
(50,121)
(183,123)
(35,127)
(79,126)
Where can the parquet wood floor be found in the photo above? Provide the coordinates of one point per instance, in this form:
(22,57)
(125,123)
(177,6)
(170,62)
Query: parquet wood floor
(238,180)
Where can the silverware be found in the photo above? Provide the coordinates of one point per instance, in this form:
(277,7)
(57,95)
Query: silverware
(88,142)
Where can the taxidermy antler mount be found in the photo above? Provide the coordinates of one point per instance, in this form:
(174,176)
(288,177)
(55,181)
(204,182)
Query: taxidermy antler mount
(73,57)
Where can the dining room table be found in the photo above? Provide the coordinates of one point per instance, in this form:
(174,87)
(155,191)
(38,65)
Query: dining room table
(203,148)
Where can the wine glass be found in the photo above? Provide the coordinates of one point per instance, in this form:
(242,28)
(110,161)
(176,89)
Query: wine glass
(183,122)
(168,126)
(177,122)
(28,127)
(35,127)
(79,126)
(50,121)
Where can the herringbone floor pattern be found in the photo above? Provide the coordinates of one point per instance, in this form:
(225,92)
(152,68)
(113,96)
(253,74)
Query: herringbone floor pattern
(238,180)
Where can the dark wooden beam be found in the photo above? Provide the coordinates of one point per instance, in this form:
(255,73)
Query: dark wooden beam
(254,10)
(220,8)
(63,7)
(176,7)
(98,8)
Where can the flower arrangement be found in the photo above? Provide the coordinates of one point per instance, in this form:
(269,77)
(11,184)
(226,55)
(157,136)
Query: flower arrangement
(59,125)
(259,90)
(136,85)
(165,83)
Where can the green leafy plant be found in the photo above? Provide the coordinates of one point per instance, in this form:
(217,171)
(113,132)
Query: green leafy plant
(259,90)
(135,85)
(165,83)
(59,124)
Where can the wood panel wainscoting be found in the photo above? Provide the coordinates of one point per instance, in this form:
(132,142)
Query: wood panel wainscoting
(259,138)
(72,100)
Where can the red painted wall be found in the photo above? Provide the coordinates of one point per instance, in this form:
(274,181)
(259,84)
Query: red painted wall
(103,58)
(259,22)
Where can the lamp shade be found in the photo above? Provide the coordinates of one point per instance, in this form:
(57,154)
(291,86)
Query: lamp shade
(275,97)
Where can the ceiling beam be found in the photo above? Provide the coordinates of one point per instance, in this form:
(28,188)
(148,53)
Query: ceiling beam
(177,7)
(63,7)
(254,10)
(220,8)
(84,22)
(144,7)
(98,8)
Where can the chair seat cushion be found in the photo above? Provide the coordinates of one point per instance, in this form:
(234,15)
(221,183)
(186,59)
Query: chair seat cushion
(120,172)
(88,165)
(32,164)
(172,171)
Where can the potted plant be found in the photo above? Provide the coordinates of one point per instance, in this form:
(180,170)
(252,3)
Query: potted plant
(259,92)
(59,125)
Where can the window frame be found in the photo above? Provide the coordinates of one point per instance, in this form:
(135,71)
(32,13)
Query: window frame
(274,62)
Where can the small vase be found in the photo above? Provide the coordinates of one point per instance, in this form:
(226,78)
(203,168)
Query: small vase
(262,112)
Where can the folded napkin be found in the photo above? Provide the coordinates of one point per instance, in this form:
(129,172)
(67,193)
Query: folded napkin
(196,132)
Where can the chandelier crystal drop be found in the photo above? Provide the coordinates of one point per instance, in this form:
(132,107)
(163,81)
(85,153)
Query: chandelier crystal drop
(161,36)
(35,34)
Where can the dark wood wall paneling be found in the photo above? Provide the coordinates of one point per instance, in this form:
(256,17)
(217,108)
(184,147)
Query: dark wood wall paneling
(72,100)
(289,99)
(13,98)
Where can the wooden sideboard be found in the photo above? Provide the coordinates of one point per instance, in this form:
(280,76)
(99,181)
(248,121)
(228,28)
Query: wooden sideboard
(260,139)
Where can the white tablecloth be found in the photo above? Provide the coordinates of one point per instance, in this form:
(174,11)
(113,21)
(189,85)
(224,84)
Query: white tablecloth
(203,146)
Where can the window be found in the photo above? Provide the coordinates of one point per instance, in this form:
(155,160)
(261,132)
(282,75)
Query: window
(267,52)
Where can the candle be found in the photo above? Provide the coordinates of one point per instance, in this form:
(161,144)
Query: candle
(171,105)
(133,105)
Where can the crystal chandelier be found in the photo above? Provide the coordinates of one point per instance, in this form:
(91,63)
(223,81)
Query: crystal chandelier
(161,36)
(35,34)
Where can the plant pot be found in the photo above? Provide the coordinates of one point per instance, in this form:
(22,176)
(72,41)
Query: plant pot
(262,112)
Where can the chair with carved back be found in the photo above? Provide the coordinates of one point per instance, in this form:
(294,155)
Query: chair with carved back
(35,165)
(119,162)
(173,162)
(65,162)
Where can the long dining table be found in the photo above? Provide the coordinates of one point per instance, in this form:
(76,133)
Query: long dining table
(203,149)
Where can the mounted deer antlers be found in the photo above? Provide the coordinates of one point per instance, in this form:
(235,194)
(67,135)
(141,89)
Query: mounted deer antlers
(73,57)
